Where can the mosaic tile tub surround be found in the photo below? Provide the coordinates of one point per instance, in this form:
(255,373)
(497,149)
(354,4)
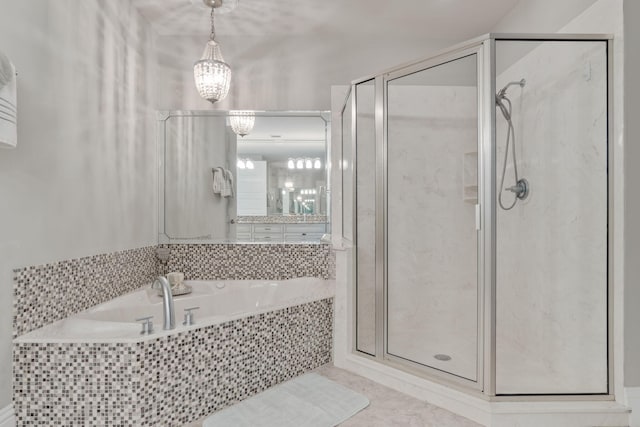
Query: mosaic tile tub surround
(136,383)
(251,261)
(170,380)
(46,293)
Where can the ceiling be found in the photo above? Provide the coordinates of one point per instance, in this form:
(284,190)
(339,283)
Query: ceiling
(437,19)
(287,54)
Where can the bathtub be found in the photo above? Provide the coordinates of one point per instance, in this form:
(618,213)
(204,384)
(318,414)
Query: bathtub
(219,301)
(95,368)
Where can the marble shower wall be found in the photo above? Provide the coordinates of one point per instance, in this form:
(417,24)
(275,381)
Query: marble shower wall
(552,247)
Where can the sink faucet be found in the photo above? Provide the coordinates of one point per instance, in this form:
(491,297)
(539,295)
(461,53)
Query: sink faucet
(167,302)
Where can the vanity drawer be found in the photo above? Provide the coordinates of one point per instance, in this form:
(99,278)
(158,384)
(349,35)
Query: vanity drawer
(303,237)
(267,228)
(305,228)
(267,237)
(243,228)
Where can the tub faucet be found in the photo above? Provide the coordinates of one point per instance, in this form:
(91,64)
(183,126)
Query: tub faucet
(167,302)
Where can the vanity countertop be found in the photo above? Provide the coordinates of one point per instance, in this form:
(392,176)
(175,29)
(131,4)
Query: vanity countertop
(282,219)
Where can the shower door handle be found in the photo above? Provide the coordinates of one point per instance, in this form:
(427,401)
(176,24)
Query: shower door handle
(478,218)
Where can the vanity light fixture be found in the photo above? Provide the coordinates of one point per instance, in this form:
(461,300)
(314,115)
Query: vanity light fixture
(299,164)
(317,164)
(212,75)
(291,164)
(308,164)
(242,121)
(245,164)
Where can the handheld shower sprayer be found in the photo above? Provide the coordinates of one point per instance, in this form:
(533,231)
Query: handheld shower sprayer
(521,187)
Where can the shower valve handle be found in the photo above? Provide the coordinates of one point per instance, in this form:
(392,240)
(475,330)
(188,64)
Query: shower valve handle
(514,189)
(521,189)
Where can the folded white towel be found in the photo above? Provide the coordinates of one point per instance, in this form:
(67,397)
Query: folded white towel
(8,103)
(227,188)
(218,180)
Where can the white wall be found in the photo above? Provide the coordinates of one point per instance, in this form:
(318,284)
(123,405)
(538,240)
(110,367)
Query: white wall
(195,145)
(541,16)
(632,201)
(82,179)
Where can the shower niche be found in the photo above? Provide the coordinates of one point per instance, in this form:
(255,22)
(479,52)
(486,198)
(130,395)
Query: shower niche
(463,275)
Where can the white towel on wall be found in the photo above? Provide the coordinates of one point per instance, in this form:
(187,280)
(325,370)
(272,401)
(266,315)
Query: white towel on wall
(227,189)
(218,180)
(8,103)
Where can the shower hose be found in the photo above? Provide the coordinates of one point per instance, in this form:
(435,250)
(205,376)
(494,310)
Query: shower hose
(505,107)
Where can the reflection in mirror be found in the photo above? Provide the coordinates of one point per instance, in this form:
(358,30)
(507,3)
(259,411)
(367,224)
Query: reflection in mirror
(288,154)
(270,185)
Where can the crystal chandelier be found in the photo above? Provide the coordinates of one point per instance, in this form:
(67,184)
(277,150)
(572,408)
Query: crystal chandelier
(212,75)
(242,121)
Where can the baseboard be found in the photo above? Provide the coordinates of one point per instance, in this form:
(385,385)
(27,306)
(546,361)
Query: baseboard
(632,395)
(494,414)
(7,418)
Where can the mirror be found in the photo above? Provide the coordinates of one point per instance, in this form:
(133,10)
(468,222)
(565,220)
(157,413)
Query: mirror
(270,185)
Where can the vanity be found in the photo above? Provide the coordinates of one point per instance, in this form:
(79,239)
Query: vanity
(295,228)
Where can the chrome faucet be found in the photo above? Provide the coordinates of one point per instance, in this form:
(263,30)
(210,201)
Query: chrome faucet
(167,302)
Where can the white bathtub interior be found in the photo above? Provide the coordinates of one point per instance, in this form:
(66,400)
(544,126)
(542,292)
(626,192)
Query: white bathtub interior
(218,301)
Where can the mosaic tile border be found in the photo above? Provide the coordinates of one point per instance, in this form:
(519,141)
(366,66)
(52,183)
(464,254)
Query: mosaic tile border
(246,261)
(50,292)
(172,380)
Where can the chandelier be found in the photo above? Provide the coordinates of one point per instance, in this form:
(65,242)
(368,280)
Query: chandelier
(212,75)
(242,121)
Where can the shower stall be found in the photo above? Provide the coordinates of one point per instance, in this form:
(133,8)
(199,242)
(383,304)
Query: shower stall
(476,192)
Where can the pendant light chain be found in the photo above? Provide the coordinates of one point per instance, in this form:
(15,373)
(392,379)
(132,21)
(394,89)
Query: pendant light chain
(212,36)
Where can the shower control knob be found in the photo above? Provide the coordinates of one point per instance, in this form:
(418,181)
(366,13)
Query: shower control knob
(521,189)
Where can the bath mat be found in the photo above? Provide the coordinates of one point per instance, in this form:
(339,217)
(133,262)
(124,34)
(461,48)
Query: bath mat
(310,400)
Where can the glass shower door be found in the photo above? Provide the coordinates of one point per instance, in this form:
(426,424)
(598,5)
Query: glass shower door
(432,298)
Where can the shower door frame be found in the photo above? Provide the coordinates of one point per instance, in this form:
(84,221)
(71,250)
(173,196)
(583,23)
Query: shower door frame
(479,51)
(485,385)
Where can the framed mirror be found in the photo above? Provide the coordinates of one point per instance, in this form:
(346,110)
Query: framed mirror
(270,185)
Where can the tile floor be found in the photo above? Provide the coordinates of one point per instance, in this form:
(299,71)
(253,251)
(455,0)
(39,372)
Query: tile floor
(388,408)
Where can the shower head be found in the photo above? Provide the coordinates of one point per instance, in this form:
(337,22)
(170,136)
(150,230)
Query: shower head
(502,92)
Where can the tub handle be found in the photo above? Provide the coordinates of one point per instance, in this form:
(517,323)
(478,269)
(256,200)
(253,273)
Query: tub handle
(147,325)
(188,316)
